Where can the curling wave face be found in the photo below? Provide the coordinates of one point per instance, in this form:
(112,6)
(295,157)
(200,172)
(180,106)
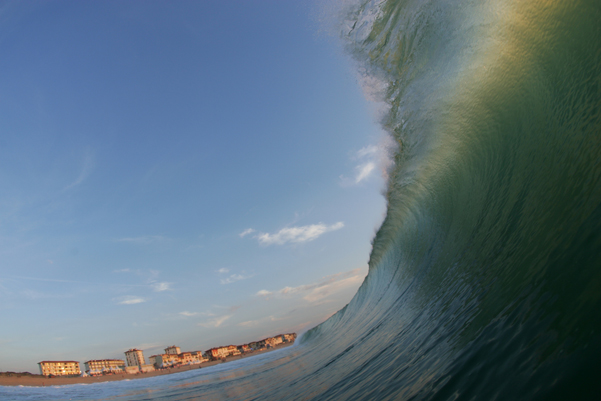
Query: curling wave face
(485,277)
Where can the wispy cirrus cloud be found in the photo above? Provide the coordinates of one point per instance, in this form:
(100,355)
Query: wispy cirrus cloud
(187,314)
(254,323)
(246,232)
(363,171)
(129,300)
(143,240)
(367,159)
(233,278)
(216,322)
(297,234)
(85,170)
(315,292)
(160,287)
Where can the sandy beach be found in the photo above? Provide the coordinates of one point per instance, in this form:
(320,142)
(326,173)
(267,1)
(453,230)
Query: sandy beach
(18,379)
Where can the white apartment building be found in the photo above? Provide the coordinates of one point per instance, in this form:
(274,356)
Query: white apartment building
(95,366)
(59,368)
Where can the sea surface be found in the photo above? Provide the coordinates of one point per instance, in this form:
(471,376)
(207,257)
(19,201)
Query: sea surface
(485,277)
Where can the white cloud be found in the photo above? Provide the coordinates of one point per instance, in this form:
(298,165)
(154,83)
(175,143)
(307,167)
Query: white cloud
(367,151)
(364,171)
(218,321)
(129,300)
(159,287)
(84,172)
(223,270)
(253,323)
(188,314)
(143,240)
(232,278)
(318,291)
(323,291)
(367,160)
(297,234)
(246,232)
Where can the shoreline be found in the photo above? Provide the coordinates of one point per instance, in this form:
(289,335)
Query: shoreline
(43,381)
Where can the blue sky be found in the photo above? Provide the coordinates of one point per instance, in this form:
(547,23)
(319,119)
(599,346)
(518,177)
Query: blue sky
(189,173)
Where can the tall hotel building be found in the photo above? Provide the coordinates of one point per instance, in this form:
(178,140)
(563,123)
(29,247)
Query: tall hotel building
(134,357)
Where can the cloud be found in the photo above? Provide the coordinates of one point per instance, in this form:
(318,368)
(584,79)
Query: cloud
(367,159)
(323,291)
(121,271)
(159,287)
(297,234)
(253,323)
(363,171)
(188,314)
(233,278)
(84,172)
(223,270)
(246,232)
(216,322)
(367,151)
(129,300)
(144,240)
(316,292)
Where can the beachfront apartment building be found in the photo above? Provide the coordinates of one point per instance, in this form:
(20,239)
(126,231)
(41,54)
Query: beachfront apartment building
(97,366)
(217,353)
(134,357)
(222,352)
(165,360)
(273,341)
(59,368)
(173,350)
(183,358)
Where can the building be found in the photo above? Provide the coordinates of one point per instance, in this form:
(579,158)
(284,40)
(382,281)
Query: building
(146,368)
(97,366)
(199,357)
(132,370)
(217,353)
(59,368)
(153,360)
(244,348)
(173,350)
(166,360)
(222,352)
(134,357)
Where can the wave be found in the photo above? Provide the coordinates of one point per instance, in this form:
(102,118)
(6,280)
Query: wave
(485,278)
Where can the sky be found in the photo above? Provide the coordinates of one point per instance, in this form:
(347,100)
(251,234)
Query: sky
(177,173)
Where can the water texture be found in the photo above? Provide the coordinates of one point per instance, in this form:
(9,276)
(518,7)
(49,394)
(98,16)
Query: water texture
(485,278)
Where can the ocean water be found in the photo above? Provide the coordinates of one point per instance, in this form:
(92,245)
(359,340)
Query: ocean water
(485,277)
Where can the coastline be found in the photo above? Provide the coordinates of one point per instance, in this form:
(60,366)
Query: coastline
(42,381)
